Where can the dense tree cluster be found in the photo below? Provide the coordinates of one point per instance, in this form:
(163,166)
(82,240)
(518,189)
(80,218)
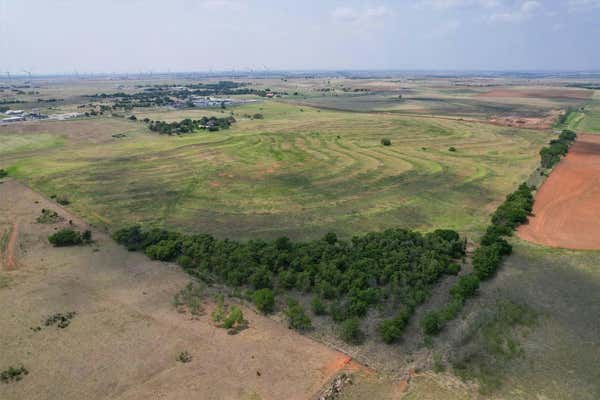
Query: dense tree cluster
(557,148)
(395,268)
(190,125)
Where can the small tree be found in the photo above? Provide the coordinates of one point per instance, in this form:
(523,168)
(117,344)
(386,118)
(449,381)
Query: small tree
(350,331)
(297,317)
(386,142)
(431,323)
(264,300)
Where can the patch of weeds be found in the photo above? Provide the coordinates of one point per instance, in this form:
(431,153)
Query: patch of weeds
(13,374)
(4,282)
(60,320)
(61,199)
(184,357)
(190,299)
(491,343)
(438,364)
(49,217)
(230,318)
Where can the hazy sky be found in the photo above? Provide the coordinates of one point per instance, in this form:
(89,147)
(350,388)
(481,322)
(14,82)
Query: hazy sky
(194,35)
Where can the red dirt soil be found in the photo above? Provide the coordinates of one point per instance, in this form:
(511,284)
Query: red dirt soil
(566,212)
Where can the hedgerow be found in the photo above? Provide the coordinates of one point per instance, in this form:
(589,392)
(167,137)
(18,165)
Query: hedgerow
(487,258)
(395,268)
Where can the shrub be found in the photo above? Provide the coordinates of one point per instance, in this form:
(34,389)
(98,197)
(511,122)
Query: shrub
(391,329)
(184,357)
(3,173)
(318,307)
(350,331)
(65,237)
(453,149)
(264,300)
(49,217)
(453,269)
(297,317)
(386,142)
(465,287)
(486,260)
(165,250)
(13,374)
(431,323)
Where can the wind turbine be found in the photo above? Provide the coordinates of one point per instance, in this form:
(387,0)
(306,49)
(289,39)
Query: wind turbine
(28,73)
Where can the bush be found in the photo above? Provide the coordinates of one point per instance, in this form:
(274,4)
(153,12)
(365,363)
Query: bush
(65,237)
(453,269)
(318,307)
(350,331)
(3,173)
(432,323)
(386,142)
(264,300)
(165,250)
(297,317)
(13,374)
(391,329)
(466,287)
(452,149)
(486,260)
(184,357)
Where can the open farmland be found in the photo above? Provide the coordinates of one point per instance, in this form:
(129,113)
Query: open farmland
(299,171)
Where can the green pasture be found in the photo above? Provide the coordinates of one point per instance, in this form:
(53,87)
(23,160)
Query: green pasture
(299,172)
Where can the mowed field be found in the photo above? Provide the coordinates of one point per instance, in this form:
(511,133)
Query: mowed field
(299,171)
(124,340)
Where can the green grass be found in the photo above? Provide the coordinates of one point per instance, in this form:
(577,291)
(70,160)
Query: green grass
(15,143)
(300,173)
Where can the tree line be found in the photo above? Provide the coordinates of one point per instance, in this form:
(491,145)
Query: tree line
(392,270)
(190,125)
(488,257)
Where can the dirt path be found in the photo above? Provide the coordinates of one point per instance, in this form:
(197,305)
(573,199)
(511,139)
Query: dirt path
(10,252)
(566,212)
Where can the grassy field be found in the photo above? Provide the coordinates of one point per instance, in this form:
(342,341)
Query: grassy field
(299,172)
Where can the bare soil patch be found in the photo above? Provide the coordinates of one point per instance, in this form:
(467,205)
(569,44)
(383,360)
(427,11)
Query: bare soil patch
(127,335)
(545,122)
(550,93)
(566,212)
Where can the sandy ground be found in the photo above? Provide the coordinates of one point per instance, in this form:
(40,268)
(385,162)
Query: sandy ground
(125,338)
(567,206)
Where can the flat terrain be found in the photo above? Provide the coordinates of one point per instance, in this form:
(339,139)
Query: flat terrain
(126,335)
(299,171)
(566,212)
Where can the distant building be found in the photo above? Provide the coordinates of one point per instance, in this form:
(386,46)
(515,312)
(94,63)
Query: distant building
(12,119)
(14,112)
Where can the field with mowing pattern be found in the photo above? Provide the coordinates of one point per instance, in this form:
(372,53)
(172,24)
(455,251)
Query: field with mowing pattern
(299,171)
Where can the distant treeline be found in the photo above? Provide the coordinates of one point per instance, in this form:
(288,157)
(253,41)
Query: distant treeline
(170,95)
(488,257)
(190,125)
(393,270)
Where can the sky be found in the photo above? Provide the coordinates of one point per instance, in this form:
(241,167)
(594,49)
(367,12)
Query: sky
(64,36)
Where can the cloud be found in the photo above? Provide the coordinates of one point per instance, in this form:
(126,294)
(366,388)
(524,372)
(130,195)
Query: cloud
(357,16)
(449,4)
(223,5)
(525,11)
(583,5)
